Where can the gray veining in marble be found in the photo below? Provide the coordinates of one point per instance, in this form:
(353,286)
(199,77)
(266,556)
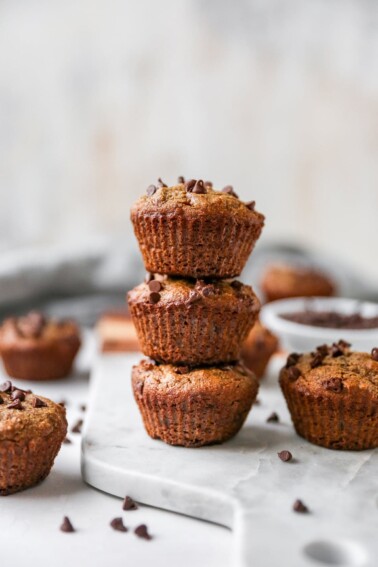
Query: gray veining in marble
(241,484)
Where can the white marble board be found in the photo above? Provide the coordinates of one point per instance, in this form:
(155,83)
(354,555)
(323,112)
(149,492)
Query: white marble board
(241,484)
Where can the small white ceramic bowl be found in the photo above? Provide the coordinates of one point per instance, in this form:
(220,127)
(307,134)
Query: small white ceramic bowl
(304,338)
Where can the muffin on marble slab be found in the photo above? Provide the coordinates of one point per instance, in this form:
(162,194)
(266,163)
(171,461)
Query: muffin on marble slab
(332,396)
(35,348)
(32,429)
(193,407)
(258,349)
(191,230)
(193,322)
(281,281)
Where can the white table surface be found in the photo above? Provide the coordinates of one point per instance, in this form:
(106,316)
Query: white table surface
(30,520)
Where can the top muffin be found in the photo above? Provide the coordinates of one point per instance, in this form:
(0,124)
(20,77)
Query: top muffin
(281,281)
(192,230)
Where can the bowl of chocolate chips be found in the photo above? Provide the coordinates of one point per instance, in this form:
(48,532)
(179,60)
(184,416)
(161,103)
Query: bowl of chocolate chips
(303,323)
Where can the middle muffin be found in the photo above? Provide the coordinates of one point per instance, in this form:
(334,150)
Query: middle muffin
(192,322)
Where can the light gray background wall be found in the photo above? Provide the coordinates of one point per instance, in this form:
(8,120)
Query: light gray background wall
(278,97)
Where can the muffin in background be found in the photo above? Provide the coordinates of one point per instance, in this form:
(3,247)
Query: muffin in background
(32,430)
(35,348)
(193,322)
(191,230)
(281,281)
(332,396)
(193,407)
(258,349)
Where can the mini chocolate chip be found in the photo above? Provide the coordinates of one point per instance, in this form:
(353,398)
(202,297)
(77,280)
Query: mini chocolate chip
(149,277)
(151,189)
(338,349)
(67,441)
(182,369)
(181,179)
(37,403)
(292,359)
(141,531)
(236,285)
(208,183)
(285,456)
(83,407)
(15,405)
(323,350)
(229,190)
(155,285)
(18,395)
(250,205)
(129,504)
(199,187)
(62,403)
(257,402)
(190,184)
(118,525)
(6,387)
(194,296)
(333,385)
(374,354)
(161,182)
(66,525)
(317,360)
(293,373)
(298,506)
(154,297)
(77,427)
(273,418)
(208,290)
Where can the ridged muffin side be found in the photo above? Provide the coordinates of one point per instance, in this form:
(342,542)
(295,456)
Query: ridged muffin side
(333,397)
(32,429)
(184,233)
(193,407)
(193,322)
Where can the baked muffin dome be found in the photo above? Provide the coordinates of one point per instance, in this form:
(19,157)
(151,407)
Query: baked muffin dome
(34,348)
(332,395)
(193,406)
(32,429)
(283,281)
(192,230)
(258,349)
(192,322)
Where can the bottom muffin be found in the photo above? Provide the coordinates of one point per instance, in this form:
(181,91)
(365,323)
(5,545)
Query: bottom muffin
(32,429)
(332,395)
(258,348)
(193,407)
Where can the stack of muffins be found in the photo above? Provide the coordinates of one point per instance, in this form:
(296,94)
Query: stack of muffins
(191,316)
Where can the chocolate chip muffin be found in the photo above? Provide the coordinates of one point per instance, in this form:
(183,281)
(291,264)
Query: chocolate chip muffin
(332,395)
(32,429)
(34,348)
(191,230)
(193,322)
(283,281)
(193,406)
(258,348)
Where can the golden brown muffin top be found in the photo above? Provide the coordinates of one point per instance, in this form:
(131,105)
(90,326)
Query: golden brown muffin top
(289,281)
(33,329)
(24,416)
(333,369)
(196,196)
(216,293)
(179,380)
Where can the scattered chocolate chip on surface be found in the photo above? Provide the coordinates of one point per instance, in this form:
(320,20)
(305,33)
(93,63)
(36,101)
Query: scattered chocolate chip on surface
(66,525)
(155,285)
(154,297)
(6,387)
(77,427)
(333,385)
(298,506)
(229,190)
(142,532)
(38,403)
(285,456)
(273,418)
(250,205)
(151,189)
(129,504)
(67,441)
(118,525)
(17,405)
(18,395)
(374,354)
(83,407)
